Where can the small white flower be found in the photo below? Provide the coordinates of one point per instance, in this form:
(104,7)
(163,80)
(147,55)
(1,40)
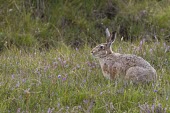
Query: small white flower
(59,76)
(10,10)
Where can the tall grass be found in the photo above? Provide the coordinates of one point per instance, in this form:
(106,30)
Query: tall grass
(42,24)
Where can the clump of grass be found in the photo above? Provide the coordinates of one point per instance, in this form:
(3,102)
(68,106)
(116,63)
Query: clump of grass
(152,109)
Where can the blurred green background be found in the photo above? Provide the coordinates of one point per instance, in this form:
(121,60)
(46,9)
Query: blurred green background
(45,23)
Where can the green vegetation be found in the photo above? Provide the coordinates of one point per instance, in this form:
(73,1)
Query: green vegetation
(46,64)
(69,80)
(41,23)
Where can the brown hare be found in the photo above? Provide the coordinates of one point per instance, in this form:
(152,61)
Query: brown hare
(130,67)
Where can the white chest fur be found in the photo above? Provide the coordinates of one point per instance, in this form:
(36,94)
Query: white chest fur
(106,74)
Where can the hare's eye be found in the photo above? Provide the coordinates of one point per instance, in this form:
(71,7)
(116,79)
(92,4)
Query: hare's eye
(102,47)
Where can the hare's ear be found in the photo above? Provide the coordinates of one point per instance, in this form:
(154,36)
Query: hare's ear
(111,38)
(107,33)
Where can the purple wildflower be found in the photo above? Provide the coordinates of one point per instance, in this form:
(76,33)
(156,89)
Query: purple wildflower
(64,62)
(23,80)
(18,110)
(164,45)
(12,76)
(84,80)
(153,108)
(155,91)
(59,76)
(18,84)
(50,110)
(59,59)
(64,79)
(141,43)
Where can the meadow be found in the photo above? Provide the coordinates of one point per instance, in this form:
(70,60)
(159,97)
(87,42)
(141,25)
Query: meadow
(46,65)
(70,80)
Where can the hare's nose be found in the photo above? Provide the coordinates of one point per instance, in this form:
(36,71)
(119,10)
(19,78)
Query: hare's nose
(92,52)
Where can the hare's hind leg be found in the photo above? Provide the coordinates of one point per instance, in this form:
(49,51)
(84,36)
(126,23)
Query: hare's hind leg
(139,74)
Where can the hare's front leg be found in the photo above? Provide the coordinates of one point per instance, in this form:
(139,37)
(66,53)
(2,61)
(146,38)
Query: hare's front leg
(109,71)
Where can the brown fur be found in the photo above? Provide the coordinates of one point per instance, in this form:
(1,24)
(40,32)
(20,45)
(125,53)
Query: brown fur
(129,66)
(111,71)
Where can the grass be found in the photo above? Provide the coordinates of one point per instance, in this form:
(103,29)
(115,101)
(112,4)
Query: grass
(41,72)
(70,80)
(41,24)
